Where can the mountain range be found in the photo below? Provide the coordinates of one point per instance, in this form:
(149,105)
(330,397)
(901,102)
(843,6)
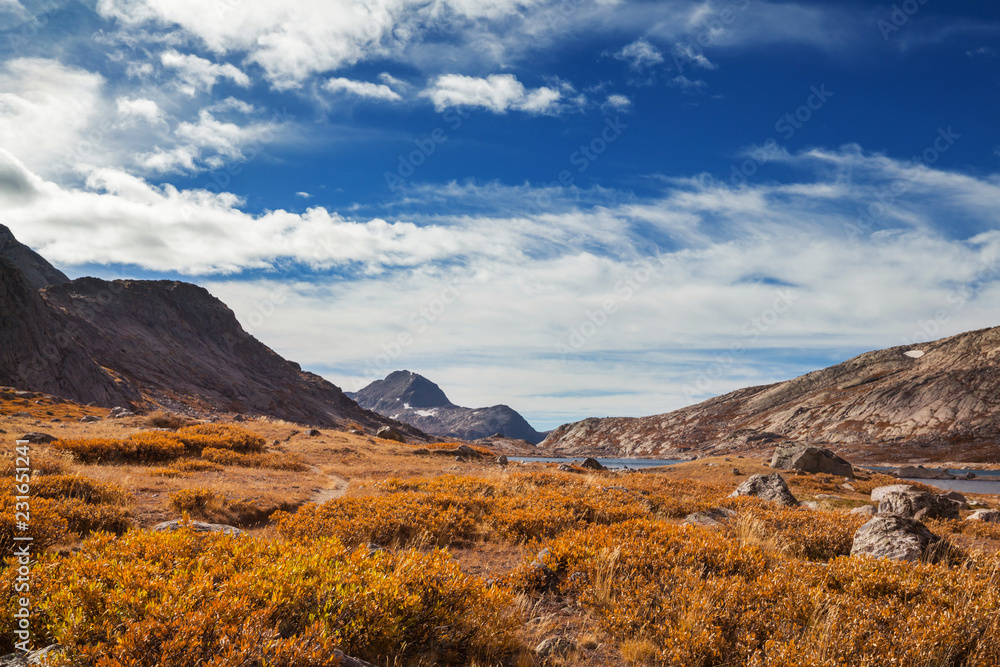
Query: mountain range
(415,400)
(931,401)
(146,344)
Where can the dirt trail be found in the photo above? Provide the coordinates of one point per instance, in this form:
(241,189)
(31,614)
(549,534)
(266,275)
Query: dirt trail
(336,490)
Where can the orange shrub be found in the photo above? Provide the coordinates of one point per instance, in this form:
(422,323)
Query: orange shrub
(47,526)
(274,461)
(144,447)
(221,436)
(181,599)
(78,487)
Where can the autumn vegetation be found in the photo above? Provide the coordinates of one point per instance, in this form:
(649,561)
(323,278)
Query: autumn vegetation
(425,562)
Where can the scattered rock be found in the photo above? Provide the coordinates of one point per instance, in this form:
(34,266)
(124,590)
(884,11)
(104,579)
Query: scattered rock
(555,647)
(881,492)
(591,464)
(989,516)
(354,431)
(313,432)
(239,418)
(348,661)
(502,460)
(22,415)
(810,459)
(120,413)
(710,518)
(920,472)
(918,505)
(564,467)
(198,527)
(90,419)
(848,486)
(736,471)
(766,487)
(459,459)
(22,659)
(38,438)
(865,510)
(809,504)
(970,475)
(963,502)
(826,496)
(390,433)
(893,537)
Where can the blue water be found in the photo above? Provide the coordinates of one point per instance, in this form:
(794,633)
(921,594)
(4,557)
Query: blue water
(607,463)
(986,480)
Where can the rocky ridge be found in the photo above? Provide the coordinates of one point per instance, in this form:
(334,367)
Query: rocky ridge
(932,401)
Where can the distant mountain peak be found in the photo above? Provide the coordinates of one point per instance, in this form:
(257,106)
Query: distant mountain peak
(413,399)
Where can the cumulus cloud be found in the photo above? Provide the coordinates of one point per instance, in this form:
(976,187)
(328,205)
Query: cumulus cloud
(640,55)
(196,74)
(377,91)
(140,109)
(497,92)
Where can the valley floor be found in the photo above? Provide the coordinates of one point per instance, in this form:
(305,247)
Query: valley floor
(397,555)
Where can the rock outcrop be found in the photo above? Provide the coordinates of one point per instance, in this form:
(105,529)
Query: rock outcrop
(807,458)
(882,405)
(893,537)
(766,487)
(415,400)
(988,516)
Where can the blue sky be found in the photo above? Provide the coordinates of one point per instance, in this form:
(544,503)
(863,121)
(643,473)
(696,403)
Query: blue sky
(576,207)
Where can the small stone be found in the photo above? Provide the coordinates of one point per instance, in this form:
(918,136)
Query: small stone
(555,647)
(563,467)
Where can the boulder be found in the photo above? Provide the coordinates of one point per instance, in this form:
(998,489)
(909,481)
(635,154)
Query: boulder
(22,415)
(881,492)
(313,433)
(120,413)
(90,419)
(564,467)
(807,458)
(918,505)
(591,464)
(502,460)
(38,438)
(390,433)
(551,647)
(766,487)
(710,518)
(865,510)
(920,472)
(197,526)
(963,502)
(893,537)
(989,516)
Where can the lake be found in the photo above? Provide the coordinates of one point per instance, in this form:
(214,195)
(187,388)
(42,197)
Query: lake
(987,481)
(607,463)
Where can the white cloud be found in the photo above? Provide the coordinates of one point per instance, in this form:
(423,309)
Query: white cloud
(207,143)
(196,74)
(376,91)
(304,195)
(618,102)
(640,55)
(497,92)
(142,109)
(724,254)
(45,109)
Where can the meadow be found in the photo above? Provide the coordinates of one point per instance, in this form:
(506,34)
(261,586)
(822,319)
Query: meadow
(408,558)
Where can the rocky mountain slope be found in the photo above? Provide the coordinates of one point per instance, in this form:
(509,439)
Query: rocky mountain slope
(415,400)
(150,343)
(933,401)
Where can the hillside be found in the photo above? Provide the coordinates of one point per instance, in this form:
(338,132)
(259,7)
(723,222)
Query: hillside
(149,343)
(882,405)
(413,399)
